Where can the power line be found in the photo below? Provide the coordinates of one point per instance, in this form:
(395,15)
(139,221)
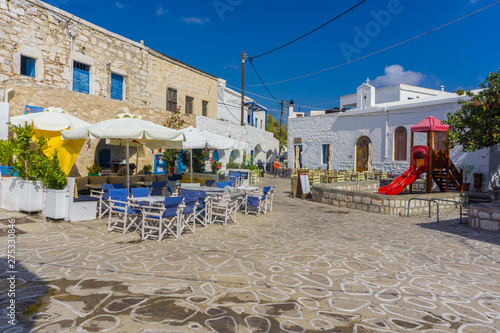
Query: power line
(251,63)
(379,51)
(310,32)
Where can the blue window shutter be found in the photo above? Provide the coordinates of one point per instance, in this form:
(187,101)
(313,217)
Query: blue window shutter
(81,80)
(84,82)
(116,86)
(76,80)
(30,67)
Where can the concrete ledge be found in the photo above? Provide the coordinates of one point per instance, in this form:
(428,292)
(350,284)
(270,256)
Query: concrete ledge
(485,216)
(364,196)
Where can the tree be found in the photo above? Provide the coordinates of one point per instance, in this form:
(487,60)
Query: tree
(273,126)
(477,124)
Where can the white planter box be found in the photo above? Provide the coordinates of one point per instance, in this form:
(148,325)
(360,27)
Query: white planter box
(31,196)
(10,188)
(55,204)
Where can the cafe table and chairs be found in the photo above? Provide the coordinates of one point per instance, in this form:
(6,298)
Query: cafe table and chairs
(162,219)
(123,214)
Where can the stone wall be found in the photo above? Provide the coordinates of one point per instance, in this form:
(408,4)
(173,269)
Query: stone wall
(485,216)
(363,196)
(40,31)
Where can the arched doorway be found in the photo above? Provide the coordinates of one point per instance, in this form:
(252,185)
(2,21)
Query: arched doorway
(363,154)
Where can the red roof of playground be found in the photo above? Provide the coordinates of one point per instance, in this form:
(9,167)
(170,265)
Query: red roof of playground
(430,124)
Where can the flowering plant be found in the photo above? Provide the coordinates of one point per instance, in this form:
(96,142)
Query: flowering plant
(216,166)
(175,121)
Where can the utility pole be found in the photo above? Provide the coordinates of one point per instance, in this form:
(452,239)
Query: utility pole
(281,124)
(243,55)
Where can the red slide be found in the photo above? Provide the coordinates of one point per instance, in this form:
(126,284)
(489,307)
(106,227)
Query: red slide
(399,184)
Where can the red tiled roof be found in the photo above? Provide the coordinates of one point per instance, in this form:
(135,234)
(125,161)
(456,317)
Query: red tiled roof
(430,124)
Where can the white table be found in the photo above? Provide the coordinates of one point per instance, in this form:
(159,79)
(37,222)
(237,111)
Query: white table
(211,191)
(150,199)
(247,189)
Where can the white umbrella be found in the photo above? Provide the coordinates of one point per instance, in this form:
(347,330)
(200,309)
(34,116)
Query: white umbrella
(127,127)
(51,119)
(200,139)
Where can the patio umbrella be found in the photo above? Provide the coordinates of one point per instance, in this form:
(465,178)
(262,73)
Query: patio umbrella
(51,122)
(200,139)
(330,157)
(297,157)
(127,127)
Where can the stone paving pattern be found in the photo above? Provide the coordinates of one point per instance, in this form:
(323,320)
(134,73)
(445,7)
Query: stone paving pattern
(305,267)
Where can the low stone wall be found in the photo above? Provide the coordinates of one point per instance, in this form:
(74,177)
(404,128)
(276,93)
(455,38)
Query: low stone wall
(363,196)
(485,216)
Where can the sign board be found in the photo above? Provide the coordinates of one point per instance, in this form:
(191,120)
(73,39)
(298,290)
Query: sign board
(32,109)
(297,140)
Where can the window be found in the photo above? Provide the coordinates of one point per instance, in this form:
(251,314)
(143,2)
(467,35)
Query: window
(256,122)
(81,77)
(27,66)
(116,86)
(189,105)
(326,154)
(400,144)
(171,99)
(261,122)
(440,140)
(204,108)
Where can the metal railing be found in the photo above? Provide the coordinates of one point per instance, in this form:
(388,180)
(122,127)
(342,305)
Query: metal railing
(437,206)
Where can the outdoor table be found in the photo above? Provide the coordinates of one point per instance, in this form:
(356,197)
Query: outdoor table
(354,176)
(333,178)
(211,191)
(149,200)
(247,189)
(378,175)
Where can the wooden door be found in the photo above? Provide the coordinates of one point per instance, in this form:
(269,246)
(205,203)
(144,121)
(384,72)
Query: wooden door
(362,154)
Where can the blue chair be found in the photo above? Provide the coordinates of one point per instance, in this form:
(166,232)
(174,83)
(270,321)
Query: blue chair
(140,192)
(221,184)
(103,196)
(160,221)
(122,214)
(201,215)
(210,182)
(157,187)
(188,214)
(258,204)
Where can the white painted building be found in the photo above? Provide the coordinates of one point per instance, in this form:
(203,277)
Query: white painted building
(229,108)
(377,118)
(253,140)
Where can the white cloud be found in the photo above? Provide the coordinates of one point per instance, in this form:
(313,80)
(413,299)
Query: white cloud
(195,20)
(119,4)
(160,11)
(396,74)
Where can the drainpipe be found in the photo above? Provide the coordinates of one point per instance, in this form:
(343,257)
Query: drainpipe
(7,93)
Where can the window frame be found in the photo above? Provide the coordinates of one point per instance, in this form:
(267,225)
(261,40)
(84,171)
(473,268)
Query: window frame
(189,104)
(400,148)
(24,61)
(122,92)
(81,66)
(171,101)
(204,108)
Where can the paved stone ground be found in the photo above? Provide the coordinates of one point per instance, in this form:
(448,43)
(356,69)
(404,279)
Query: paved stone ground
(304,267)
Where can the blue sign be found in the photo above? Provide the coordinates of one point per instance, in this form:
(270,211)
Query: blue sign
(159,167)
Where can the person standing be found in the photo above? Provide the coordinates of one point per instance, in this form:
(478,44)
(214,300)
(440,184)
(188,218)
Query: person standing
(276,168)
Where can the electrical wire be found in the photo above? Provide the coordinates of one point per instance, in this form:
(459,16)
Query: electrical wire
(251,63)
(379,51)
(228,108)
(310,32)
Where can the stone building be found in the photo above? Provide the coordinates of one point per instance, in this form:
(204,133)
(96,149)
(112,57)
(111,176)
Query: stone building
(49,57)
(374,124)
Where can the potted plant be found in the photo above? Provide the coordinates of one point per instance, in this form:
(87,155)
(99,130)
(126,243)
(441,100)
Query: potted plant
(170,157)
(54,180)
(148,168)
(467,172)
(6,157)
(94,170)
(28,159)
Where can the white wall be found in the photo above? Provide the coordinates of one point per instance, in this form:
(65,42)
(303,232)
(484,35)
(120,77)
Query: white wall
(344,129)
(4,119)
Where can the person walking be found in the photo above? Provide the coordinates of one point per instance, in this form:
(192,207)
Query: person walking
(276,168)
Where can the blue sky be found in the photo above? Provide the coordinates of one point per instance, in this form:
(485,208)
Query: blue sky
(211,35)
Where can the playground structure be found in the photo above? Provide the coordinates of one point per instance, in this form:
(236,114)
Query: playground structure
(433,159)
